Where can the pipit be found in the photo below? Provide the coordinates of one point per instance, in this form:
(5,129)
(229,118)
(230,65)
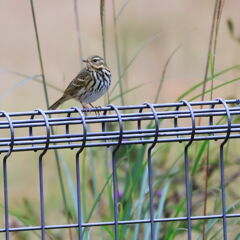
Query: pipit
(91,83)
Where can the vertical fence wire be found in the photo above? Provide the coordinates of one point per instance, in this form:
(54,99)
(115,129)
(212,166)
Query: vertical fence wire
(222,175)
(114,168)
(41,185)
(78,178)
(150,183)
(186,163)
(5,181)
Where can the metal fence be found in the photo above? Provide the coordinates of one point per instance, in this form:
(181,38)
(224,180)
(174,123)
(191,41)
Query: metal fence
(199,120)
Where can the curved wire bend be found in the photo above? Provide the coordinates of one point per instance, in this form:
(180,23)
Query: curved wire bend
(11,143)
(120,138)
(48,131)
(186,103)
(139,121)
(78,110)
(156,124)
(229,121)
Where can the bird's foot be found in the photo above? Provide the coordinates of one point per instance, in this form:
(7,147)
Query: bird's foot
(87,110)
(97,112)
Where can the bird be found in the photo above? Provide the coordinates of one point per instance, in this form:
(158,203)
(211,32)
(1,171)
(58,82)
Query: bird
(92,82)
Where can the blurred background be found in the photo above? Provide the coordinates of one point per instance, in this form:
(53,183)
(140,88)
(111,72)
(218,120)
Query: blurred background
(173,23)
(148,33)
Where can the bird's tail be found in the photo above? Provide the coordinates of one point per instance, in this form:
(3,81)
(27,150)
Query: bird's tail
(58,103)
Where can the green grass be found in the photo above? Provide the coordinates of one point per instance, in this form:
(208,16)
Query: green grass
(96,175)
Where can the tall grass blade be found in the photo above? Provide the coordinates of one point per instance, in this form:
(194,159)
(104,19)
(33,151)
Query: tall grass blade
(141,197)
(98,198)
(211,222)
(212,42)
(96,201)
(102,17)
(160,209)
(36,79)
(122,8)
(230,26)
(18,84)
(23,219)
(212,61)
(164,73)
(76,14)
(215,88)
(57,157)
(146,44)
(71,186)
(199,157)
(172,229)
(212,65)
(103,30)
(119,82)
(211,39)
(206,162)
(39,54)
(93,171)
(198,85)
(126,92)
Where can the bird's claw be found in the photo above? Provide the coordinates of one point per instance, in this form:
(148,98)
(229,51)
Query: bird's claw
(88,110)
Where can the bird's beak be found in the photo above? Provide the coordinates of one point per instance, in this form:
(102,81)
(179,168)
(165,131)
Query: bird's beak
(85,60)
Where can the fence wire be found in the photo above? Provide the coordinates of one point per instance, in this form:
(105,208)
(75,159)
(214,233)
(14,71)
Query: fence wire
(113,127)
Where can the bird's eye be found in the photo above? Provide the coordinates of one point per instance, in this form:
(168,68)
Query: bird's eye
(95,60)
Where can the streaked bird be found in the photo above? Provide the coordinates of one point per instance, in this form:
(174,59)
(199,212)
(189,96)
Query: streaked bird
(91,83)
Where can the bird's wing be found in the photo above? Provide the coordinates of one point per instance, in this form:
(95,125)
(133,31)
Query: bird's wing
(80,81)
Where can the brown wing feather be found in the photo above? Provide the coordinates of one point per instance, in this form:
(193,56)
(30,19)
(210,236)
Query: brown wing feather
(80,81)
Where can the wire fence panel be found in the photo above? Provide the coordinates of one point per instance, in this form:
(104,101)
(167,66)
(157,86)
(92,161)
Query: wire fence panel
(113,127)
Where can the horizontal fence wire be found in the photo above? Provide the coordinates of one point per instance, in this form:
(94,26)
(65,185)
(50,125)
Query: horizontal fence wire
(97,135)
(114,126)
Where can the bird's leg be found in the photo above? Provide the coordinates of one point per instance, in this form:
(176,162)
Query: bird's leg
(97,112)
(86,109)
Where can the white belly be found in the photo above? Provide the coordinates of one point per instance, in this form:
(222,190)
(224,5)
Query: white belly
(93,96)
(97,90)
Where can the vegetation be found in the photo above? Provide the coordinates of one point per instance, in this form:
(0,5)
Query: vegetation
(168,164)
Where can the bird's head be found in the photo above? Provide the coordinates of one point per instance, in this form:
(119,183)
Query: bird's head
(94,62)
